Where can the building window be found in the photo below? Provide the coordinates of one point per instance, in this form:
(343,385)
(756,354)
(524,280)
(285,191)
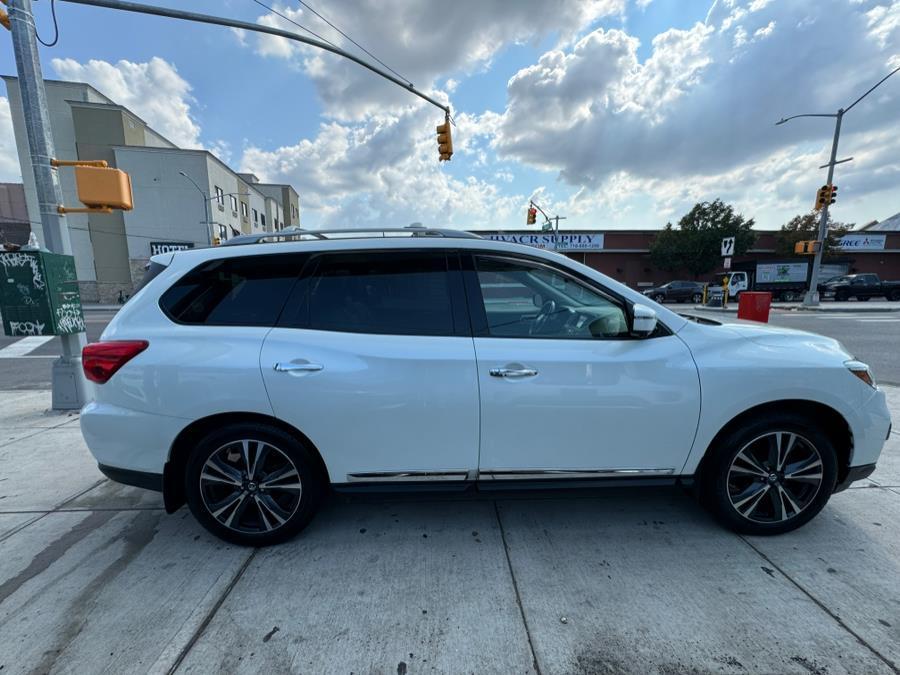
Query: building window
(234,203)
(255,216)
(262,219)
(244,209)
(220,196)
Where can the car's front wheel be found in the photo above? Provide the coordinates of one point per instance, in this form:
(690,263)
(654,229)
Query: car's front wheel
(252,484)
(769,476)
(697,298)
(660,298)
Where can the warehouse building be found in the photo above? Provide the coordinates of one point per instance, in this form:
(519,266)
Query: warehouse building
(625,254)
(183,198)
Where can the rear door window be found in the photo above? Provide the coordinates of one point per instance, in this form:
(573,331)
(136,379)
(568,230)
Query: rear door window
(244,291)
(388,293)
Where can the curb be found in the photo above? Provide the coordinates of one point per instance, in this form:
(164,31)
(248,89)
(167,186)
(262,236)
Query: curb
(812,310)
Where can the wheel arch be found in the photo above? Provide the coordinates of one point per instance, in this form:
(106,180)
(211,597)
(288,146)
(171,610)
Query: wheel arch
(835,425)
(173,472)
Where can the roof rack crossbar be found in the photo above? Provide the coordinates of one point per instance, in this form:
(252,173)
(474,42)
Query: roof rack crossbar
(298,233)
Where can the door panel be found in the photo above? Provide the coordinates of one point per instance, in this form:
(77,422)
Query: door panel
(600,404)
(570,390)
(379,403)
(376,365)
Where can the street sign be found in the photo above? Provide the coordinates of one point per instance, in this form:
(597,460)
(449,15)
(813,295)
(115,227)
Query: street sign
(728,246)
(727,264)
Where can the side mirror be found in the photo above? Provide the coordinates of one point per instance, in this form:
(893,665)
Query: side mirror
(644,321)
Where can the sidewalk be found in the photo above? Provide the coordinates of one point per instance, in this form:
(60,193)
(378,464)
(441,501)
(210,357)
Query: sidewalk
(96,577)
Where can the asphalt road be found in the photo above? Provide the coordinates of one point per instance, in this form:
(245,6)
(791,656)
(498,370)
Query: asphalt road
(871,337)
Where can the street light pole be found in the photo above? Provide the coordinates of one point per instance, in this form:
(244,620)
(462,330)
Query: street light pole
(206,214)
(68,385)
(812,294)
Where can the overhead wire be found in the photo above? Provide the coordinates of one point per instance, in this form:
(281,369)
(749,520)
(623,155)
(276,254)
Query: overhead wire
(55,27)
(300,26)
(406,79)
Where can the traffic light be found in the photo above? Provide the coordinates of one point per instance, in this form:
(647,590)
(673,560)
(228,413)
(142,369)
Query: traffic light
(806,247)
(444,141)
(532,215)
(827,194)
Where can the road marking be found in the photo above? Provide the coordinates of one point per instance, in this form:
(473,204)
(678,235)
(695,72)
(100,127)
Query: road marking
(24,346)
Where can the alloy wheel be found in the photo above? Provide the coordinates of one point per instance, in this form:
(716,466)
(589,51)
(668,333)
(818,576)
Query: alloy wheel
(775,477)
(250,486)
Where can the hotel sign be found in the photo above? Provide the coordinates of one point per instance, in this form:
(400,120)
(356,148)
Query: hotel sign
(589,241)
(862,242)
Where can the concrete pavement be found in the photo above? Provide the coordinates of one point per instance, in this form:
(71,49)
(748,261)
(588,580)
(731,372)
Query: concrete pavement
(95,577)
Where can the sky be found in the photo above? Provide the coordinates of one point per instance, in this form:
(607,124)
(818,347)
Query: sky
(616,114)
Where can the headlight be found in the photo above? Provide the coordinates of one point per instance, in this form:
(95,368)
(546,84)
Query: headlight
(861,370)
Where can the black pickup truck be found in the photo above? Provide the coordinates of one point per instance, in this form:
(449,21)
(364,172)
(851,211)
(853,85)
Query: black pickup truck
(861,287)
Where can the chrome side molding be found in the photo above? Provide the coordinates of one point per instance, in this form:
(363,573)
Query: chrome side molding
(405,476)
(540,474)
(501,474)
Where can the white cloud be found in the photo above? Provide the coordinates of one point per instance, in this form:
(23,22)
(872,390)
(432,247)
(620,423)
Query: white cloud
(10,172)
(423,41)
(703,106)
(382,172)
(154,90)
(884,22)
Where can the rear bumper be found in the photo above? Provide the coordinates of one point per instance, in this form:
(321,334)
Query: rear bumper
(855,473)
(141,479)
(129,440)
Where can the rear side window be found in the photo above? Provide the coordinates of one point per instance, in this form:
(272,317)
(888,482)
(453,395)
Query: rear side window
(245,291)
(152,271)
(392,293)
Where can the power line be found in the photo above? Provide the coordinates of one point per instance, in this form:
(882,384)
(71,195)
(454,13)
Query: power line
(355,42)
(301,27)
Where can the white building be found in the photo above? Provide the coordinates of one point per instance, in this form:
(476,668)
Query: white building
(182,197)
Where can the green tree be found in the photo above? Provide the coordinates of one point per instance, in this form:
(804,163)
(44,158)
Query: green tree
(696,244)
(806,228)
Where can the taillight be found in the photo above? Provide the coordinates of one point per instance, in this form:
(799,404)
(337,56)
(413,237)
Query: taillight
(101,360)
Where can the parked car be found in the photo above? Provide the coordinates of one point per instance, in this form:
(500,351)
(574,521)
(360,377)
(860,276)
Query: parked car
(248,380)
(677,291)
(860,286)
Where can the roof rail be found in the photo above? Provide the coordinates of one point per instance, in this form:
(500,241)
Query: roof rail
(298,233)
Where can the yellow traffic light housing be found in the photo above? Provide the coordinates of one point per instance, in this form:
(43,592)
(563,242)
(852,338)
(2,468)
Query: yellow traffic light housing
(806,247)
(100,188)
(826,195)
(532,216)
(444,141)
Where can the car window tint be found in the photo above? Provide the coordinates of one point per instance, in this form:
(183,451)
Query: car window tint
(393,293)
(245,291)
(525,300)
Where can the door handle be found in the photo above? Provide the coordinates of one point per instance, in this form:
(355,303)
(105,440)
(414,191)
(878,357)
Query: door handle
(295,367)
(513,372)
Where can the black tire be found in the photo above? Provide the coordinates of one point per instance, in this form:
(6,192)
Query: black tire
(660,298)
(697,298)
(726,480)
(269,514)
(863,298)
(894,296)
(841,296)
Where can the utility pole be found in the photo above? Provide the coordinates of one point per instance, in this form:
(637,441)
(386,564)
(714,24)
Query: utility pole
(69,388)
(547,222)
(206,215)
(812,295)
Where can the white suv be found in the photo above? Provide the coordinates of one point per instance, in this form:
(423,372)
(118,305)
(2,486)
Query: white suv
(249,379)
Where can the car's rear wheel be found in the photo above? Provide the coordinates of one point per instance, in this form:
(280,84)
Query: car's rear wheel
(252,484)
(863,298)
(697,298)
(770,476)
(841,296)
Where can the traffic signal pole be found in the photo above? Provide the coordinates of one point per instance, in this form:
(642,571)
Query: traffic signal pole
(69,387)
(812,295)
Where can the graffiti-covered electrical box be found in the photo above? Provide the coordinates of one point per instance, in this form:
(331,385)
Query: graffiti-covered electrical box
(39,294)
